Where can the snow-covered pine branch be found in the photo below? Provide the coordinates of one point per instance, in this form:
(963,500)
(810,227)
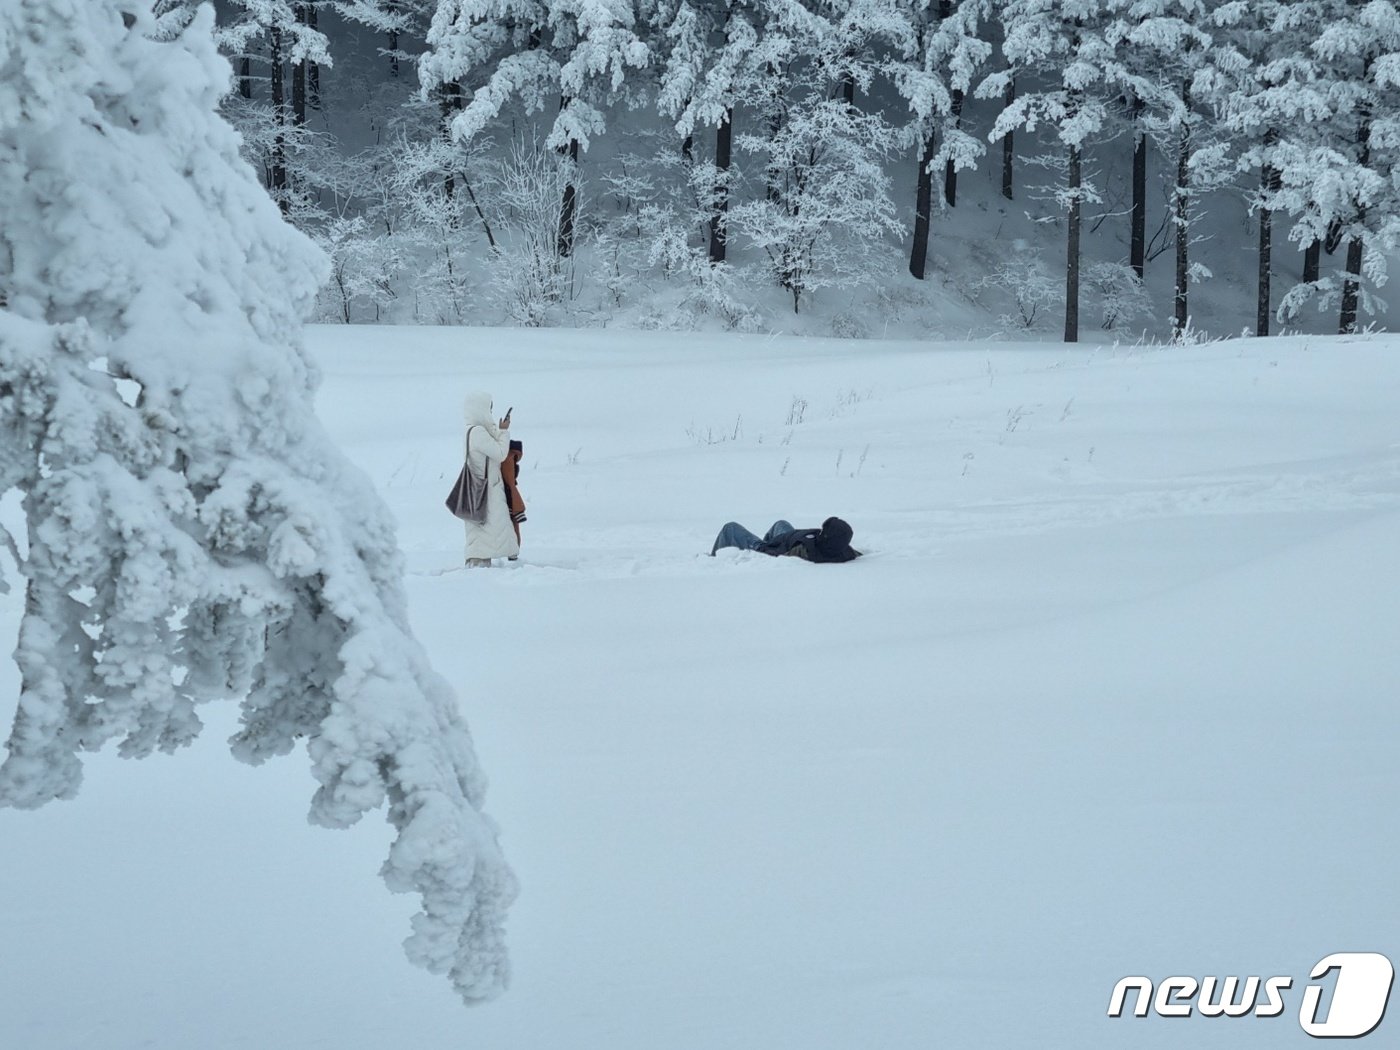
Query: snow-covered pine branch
(192,533)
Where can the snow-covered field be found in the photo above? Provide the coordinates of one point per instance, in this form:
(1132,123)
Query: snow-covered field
(1114,692)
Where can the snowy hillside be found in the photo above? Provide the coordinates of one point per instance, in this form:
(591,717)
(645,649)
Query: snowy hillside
(1113,692)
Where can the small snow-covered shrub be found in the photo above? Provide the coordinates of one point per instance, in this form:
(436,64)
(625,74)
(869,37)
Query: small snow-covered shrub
(364,270)
(1121,296)
(828,204)
(529,276)
(436,183)
(1026,280)
(849,324)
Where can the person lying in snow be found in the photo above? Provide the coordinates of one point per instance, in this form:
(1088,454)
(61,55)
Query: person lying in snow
(831,542)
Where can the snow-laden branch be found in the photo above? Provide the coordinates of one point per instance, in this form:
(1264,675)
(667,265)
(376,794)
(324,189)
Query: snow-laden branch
(192,532)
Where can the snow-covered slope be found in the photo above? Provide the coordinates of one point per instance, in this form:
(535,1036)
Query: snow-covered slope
(1112,692)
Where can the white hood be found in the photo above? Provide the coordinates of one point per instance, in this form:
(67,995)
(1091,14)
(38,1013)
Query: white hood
(477,409)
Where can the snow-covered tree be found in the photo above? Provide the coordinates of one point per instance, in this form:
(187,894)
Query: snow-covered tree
(829,200)
(1265,75)
(1162,61)
(1344,188)
(397,20)
(707,69)
(575,52)
(282,33)
(827,203)
(192,533)
(938,51)
(1057,52)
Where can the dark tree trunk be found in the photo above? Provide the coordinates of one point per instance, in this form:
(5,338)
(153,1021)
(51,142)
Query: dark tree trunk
(1182,205)
(313,71)
(471,196)
(848,90)
(1266,237)
(393,7)
(300,72)
(1351,287)
(245,77)
(1138,250)
(923,209)
(569,208)
(1008,149)
(1312,262)
(776,113)
(1333,240)
(299,94)
(950,173)
(1269,184)
(449,103)
(277,162)
(724,147)
(1072,250)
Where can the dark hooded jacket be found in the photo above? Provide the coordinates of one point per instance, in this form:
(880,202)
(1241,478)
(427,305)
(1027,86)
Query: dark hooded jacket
(830,543)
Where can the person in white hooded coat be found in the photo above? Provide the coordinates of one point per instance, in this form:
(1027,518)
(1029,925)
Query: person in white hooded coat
(488,443)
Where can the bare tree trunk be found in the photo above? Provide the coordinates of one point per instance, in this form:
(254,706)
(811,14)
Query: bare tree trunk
(471,196)
(277,162)
(1182,205)
(776,113)
(313,71)
(950,173)
(299,94)
(245,77)
(1008,148)
(724,145)
(923,208)
(1072,250)
(393,8)
(449,103)
(1137,252)
(1351,287)
(1312,262)
(1333,240)
(569,208)
(1269,184)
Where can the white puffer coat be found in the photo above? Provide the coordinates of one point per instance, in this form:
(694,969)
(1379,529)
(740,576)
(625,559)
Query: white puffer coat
(488,446)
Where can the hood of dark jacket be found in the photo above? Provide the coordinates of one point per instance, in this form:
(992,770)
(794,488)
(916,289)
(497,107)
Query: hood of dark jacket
(833,541)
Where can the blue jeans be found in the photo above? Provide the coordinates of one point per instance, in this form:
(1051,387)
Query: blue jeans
(735,535)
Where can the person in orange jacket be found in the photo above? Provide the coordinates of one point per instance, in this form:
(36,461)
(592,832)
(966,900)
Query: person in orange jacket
(510,473)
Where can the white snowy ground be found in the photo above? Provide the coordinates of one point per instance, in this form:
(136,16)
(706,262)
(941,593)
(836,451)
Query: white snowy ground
(1114,692)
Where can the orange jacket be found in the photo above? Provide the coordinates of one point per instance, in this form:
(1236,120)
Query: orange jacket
(514,501)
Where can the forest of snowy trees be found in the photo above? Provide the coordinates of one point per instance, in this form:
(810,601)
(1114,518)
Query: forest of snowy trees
(469,152)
